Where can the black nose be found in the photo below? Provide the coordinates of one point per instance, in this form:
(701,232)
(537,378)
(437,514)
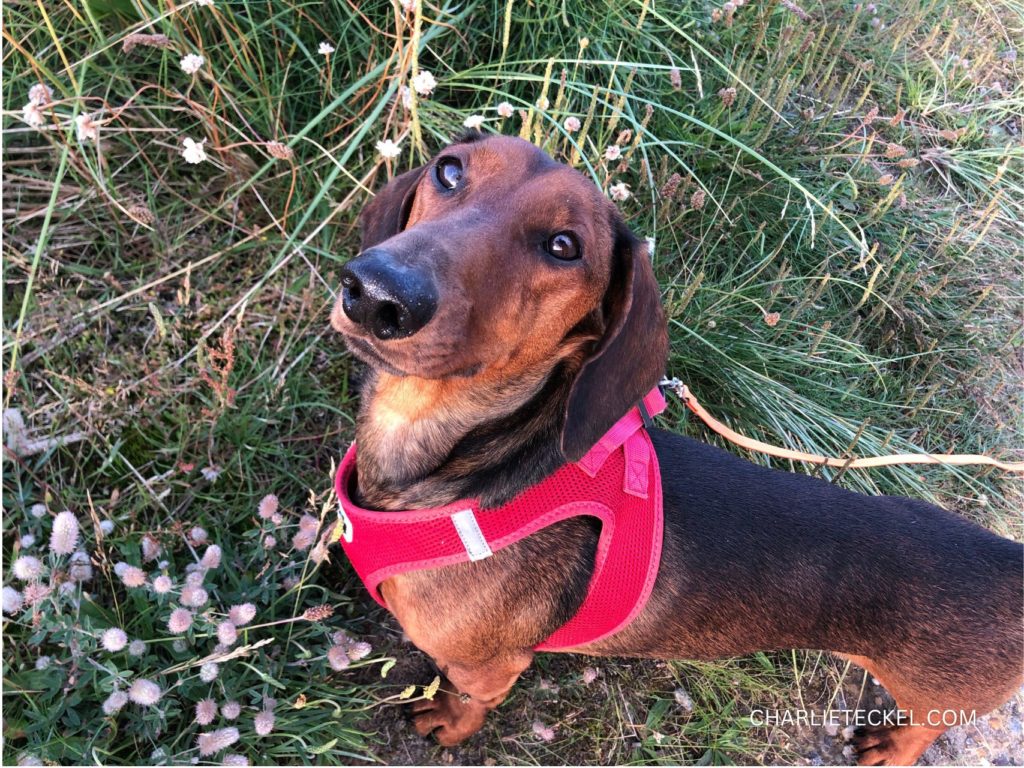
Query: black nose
(388,299)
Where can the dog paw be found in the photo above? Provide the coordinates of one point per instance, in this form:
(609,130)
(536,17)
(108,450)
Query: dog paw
(447,717)
(872,744)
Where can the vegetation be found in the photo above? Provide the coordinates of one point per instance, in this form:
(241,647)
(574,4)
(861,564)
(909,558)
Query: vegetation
(834,192)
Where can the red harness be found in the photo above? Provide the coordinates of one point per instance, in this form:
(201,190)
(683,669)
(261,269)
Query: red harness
(618,482)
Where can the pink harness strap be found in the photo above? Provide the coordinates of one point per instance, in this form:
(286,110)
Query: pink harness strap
(618,482)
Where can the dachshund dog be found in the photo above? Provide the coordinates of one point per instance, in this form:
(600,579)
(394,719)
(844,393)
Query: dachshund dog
(508,317)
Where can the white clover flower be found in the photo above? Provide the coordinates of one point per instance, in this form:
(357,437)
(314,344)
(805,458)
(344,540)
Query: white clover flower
(613,152)
(114,639)
(206,711)
(43,662)
(137,648)
(195,154)
(214,741)
(86,128)
(119,568)
(192,63)
(196,575)
(227,633)
(211,557)
(208,672)
(27,568)
(162,585)
(505,109)
(12,602)
(38,511)
(180,621)
(27,540)
(229,710)
(619,192)
(264,722)
(145,693)
(114,702)
(33,115)
(325,48)
(40,94)
(572,124)
(64,536)
(473,121)
(388,150)
(241,615)
(424,83)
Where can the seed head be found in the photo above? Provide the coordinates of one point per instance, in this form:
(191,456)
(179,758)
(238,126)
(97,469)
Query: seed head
(12,601)
(27,568)
(728,96)
(318,613)
(64,536)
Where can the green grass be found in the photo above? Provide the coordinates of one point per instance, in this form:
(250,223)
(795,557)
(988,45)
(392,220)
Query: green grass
(860,182)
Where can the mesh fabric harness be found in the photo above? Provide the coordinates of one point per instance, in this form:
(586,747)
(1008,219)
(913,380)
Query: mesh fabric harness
(618,482)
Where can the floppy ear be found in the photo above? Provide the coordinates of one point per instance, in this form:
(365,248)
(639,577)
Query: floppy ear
(385,216)
(630,357)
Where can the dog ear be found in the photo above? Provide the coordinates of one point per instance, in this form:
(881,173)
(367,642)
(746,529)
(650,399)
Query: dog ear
(386,215)
(630,357)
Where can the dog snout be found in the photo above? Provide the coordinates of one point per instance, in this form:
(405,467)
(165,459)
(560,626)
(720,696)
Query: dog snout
(386,298)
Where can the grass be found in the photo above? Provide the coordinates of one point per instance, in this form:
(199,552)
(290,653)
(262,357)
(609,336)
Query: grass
(836,207)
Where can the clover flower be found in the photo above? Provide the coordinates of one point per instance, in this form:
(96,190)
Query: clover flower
(191,63)
(64,536)
(241,615)
(268,506)
(40,94)
(132,576)
(145,693)
(473,121)
(27,540)
(198,535)
(33,115)
(211,557)
(136,648)
(193,596)
(325,48)
(194,154)
(264,722)
(619,192)
(269,542)
(338,658)
(35,593)
(43,662)
(150,548)
(572,124)
(209,671)
(114,702)
(12,602)
(162,585)
(543,732)
(180,621)
(357,651)
(229,710)
(424,83)
(235,759)
(27,568)
(206,711)
(613,152)
(589,675)
(86,128)
(227,633)
(388,150)
(38,511)
(505,110)
(214,741)
(114,639)
(107,526)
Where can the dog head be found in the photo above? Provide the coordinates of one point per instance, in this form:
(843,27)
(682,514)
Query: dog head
(494,261)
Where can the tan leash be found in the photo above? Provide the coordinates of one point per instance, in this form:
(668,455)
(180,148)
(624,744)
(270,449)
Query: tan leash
(750,444)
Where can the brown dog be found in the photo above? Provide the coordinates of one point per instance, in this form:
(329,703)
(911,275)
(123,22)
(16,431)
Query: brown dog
(508,318)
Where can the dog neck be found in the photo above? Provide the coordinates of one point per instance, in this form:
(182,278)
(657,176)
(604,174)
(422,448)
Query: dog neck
(425,442)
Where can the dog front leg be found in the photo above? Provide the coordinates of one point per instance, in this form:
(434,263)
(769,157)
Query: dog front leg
(468,693)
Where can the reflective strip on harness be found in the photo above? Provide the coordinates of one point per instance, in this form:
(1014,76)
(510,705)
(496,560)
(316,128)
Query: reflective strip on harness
(618,482)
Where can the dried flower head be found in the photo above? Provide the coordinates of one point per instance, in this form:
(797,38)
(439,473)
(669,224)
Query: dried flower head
(209,671)
(279,151)
(424,83)
(543,732)
(229,710)
(36,592)
(180,621)
(191,63)
(12,602)
(64,535)
(697,199)
(886,179)
(589,675)
(771,319)
(728,96)
(264,722)
(27,568)
(145,693)
(675,78)
(268,506)
(206,711)
(214,741)
(114,639)
(147,41)
(40,94)
(114,702)
(318,613)
(86,128)
(908,162)
(33,115)
(150,548)
(227,633)
(241,615)
(893,150)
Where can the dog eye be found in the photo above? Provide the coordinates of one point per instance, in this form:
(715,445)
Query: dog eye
(448,172)
(564,246)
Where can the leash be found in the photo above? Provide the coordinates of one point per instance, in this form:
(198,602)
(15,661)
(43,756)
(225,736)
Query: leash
(684,394)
